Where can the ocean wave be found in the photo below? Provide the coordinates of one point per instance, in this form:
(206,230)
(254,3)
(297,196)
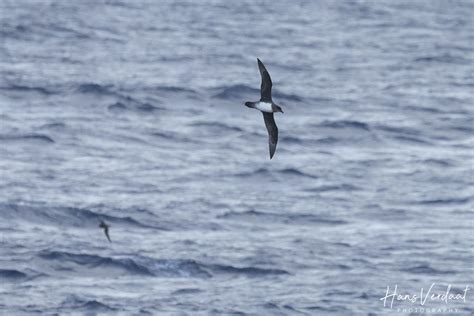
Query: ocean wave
(147,107)
(468,128)
(173,136)
(76,302)
(187,291)
(402,130)
(447,201)
(327,188)
(66,216)
(286,218)
(392,214)
(94,261)
(267,172)
(286,96)
(446,59)
(344,124)
(426,269)
(175,267)
(217,126)
(257,172)
(282,308)
(403,133)
(247,271)
(330,310)
(291,140)
(138,265)
(20,88)
(175,89)
(94,88)
(12,275)
(437,162)
(116,107)
(328,140)
(296,172)
(8,30)
(237,91)
(140,107)
(54,126)
(422,109)
(342,244)
(35,138)
(412,139)
(146,266)
(151,267)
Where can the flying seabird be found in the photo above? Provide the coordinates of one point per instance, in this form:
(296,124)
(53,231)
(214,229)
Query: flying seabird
(267,107)
(106,229)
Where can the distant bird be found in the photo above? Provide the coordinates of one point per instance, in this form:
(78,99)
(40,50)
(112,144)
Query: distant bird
(268,107)
(106,229)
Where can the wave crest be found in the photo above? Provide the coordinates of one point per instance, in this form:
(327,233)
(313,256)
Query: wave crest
(286,218)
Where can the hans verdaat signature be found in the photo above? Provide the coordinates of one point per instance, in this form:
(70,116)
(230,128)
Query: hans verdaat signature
(444,296)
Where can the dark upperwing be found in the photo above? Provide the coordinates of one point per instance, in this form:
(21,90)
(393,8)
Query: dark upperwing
(272,132)
(266,87)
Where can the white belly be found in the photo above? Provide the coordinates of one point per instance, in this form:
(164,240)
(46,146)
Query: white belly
(264,106)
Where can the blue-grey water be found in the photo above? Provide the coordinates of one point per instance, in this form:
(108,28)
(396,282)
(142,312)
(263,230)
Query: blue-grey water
(132,112)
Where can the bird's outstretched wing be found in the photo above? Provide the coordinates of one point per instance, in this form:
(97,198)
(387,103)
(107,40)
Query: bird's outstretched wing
(106,230)
(272,132)
(266,87)
(105,227)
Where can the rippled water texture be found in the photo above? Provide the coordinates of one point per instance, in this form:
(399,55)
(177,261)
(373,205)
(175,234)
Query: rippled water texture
(132,113)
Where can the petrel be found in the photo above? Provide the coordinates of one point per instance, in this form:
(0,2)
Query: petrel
(267,107)
(106,229)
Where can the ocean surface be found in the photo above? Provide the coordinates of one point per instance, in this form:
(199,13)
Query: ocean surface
(132,112)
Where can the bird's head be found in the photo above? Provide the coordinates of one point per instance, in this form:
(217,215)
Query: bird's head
(278,109)
(249,104)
